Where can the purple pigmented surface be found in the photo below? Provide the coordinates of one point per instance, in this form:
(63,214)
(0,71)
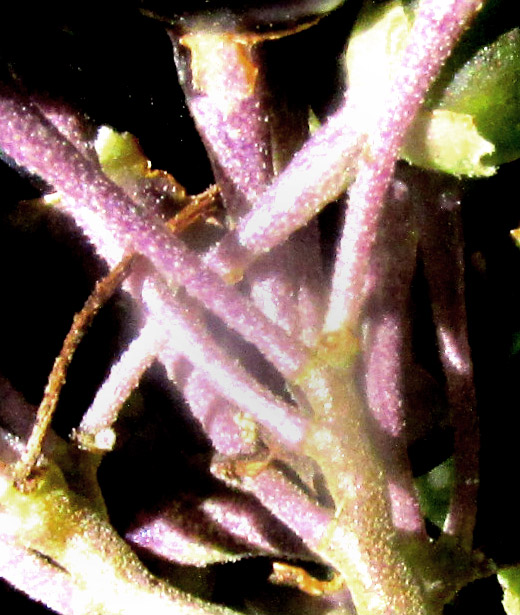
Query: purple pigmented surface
(242,332)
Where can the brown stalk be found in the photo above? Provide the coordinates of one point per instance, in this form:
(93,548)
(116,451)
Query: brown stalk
(104,289)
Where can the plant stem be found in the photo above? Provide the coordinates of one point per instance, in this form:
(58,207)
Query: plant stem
(103,574)
(95,430)
(103,290)
(316,175)
(437,27)
(361,541)
(442,251)
(225,98)
(90,197)
(228,96)
(387,334)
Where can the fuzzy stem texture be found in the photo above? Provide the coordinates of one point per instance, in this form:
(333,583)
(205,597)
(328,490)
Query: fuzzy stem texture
(437,27)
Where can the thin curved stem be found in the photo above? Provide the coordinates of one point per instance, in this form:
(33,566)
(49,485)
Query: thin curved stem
(442,252)
(103,290)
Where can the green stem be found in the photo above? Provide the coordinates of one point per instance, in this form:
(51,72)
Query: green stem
(361,541)
(106,576)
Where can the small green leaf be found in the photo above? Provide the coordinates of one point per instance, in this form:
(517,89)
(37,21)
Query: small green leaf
(435,490)
(515,345)
(515,234)
(487,87)
(447,141)
(120,154)
(470,122)
(510,581)
(125,163)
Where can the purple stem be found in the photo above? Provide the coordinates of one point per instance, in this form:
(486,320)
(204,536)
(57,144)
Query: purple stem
(313,284)
(31,140)
(387,330)
(96,424)
(190,337)
(242,166)
(317,174)
(233,438)
(227,95)
(220,418)
(274,290)
(220,528)
(437,27)
(287,502)
(107,212)
(236,438)
(288,285)
(441,248)
(175,328)
(75,127)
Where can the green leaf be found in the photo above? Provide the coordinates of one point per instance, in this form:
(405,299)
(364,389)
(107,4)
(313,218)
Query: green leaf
(443,140)
(120,153)
(435,490)
(487,87)
(470,122)
(125,163)
(510,581)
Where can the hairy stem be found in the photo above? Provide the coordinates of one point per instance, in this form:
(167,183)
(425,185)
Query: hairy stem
(361,541)
(437,27)
(103,290)
(316,175)
(103,574)
(46,152)
(387,335)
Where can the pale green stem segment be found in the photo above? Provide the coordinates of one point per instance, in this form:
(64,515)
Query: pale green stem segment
(361,542)
(107,577)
